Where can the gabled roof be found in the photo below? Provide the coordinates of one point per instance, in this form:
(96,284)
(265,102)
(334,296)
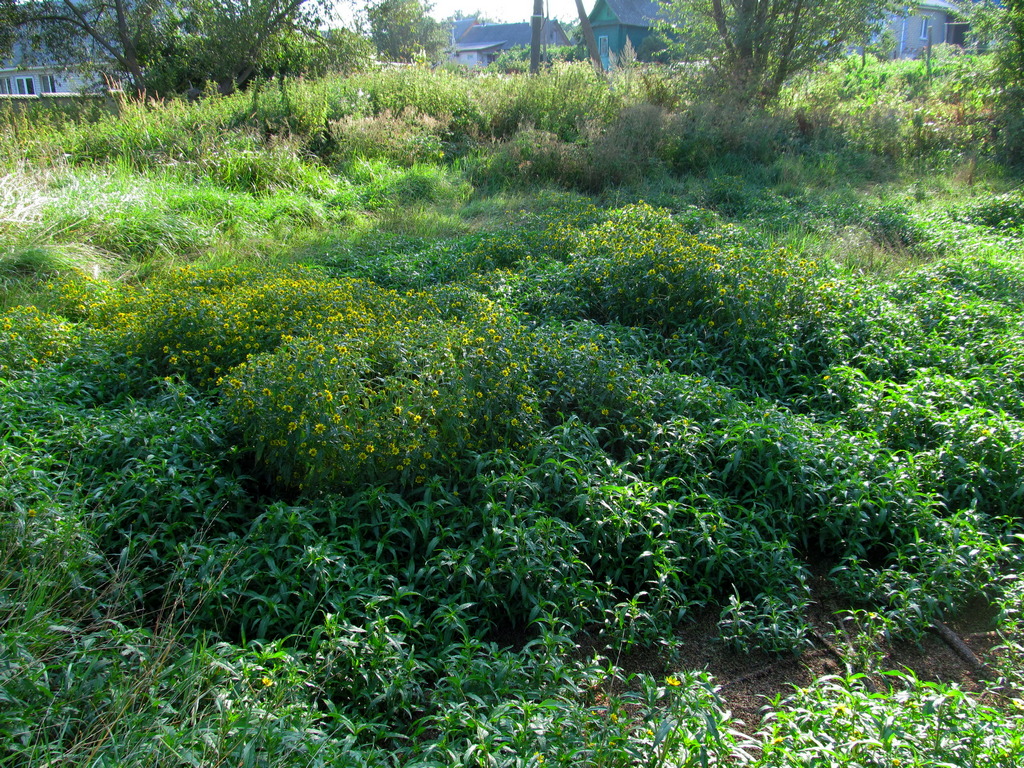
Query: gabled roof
(511,35)
(460,27)
(636,13)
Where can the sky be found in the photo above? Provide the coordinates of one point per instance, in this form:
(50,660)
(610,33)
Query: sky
(496,10)
(507,10)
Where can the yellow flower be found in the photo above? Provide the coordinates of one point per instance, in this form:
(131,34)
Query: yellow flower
(673,680)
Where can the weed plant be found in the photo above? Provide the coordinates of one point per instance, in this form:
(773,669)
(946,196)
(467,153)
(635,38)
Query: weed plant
(372,510)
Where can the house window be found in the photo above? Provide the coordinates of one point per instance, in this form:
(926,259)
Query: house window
(602,45)
(924,27)
(5,86)
(26,86)
(47,84)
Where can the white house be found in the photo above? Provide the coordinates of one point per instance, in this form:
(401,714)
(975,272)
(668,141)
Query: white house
(30,73)
(38,81)
(925,24)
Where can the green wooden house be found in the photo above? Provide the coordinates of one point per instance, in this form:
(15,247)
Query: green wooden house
(615,21)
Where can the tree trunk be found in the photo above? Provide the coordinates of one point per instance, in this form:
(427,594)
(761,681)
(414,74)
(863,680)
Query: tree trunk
(588,35)
(783,69)
(129,53)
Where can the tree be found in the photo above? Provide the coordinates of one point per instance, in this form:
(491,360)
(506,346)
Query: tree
(756,45)
(9,13)
(84,31)
(230,41)
(1006,36)
(402,31)
(226,39)
(188,62)
(346,51)
(998,25)
(1011,52)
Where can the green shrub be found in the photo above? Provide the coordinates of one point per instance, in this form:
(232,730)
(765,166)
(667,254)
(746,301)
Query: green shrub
(904,110)
(30,339)
(938,722)
(532,157)
(386,400)
(1005,212)
(642,268)
(387,187)
(766,623)
(560,101)
(892,225)
(404,139)
(443,96)
(200,323)
(705,133)
(608,152)
(264,170)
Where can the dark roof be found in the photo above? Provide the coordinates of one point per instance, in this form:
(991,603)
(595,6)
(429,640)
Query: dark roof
(460,27)
(636,13)
(509,34)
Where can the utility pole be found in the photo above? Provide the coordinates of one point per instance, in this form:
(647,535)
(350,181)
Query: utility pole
(537,21)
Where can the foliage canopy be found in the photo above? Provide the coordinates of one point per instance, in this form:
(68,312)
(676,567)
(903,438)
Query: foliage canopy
(756,45)
(402,31)
(221,40)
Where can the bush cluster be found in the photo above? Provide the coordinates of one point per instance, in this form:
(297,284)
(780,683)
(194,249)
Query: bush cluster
(30,339)
(392,400)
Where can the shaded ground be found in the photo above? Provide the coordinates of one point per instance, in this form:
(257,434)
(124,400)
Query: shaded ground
(750,682)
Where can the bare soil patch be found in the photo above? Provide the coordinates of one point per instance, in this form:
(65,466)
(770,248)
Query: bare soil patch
(750,682)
